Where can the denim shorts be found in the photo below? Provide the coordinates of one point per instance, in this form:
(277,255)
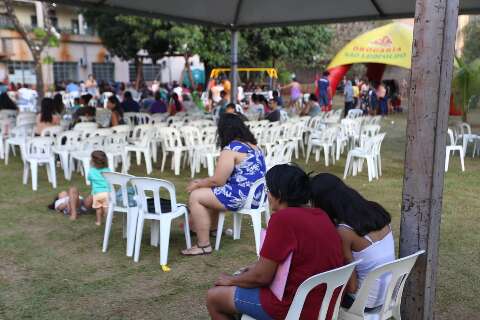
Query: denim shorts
(247,301)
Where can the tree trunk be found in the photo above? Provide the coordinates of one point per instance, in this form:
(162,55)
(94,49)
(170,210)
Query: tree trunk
(37,60)
(139,72)
(429,99)
(189,72)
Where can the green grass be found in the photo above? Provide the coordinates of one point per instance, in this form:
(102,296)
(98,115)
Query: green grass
(51,268)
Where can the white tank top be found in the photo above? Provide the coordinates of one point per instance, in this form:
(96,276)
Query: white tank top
(377,253)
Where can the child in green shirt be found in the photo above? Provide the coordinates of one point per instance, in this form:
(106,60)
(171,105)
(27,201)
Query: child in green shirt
(100,186)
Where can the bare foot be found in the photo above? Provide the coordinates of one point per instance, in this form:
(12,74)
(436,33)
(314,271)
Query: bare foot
(98,224)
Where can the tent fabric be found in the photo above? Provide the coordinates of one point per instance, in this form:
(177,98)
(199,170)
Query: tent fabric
(390,44)
(237,14)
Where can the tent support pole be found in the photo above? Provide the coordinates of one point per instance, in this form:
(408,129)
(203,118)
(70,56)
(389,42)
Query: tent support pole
(429,98)
(234,65)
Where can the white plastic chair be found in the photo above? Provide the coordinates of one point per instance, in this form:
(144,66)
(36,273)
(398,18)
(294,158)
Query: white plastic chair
(172,143)
(66,142)
(141,146)
(279,154)
(84,155)
(38,151)
(252,208)
(161,221)
(468,138)
(322,140)
(333,279)
(120,181)
(370,151)
(451,148)
(114,146)
(399,271)
(18,136)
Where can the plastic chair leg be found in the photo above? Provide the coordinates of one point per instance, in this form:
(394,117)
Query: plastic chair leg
(210,165)
(108,227)
(177,157)
(132,221)
(237,225)
(53,173)
(462,160)
(34,170)
(7,152)
(165,226)
(164,159)
(186,229)
(447,159)
(138,237)
(218,238)
(257,227)
(86,168)
(347,166)
(148,161)
(326,153)
(26,170)
(138,156)
(309,150)
(154,233)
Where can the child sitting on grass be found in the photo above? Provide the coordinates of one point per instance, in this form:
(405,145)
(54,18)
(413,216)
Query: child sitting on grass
(100,187)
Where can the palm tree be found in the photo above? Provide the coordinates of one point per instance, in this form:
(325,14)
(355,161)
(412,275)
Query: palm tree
(466,85)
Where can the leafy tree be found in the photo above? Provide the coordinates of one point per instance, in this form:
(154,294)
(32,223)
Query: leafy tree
(466,85)
(37,40)
(471,49)
(302,46)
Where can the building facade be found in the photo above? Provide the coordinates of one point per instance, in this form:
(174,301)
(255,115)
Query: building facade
(80,52)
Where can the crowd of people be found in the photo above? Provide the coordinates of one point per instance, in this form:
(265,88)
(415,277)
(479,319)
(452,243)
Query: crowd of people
(321,222)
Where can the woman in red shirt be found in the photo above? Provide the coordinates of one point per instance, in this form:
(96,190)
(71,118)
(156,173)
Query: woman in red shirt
(307,233)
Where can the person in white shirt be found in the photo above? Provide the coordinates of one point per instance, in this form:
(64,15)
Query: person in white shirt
(27,99)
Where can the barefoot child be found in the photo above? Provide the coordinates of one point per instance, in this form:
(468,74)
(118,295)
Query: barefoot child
(100,187)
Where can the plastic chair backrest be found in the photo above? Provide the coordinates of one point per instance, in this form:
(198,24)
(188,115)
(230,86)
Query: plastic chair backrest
(85,126)
(93,143)
(354,113)
(51,131)
(105,132)
(123,128)
(283,153)
(451,137)
(116,139)
(143,185)
(336,278)
(191,135)
(209,135)
(40,147)
(260,195)
(22,131)
(25,118)
(399,271)
(68,139)
(171,137)
(121,180)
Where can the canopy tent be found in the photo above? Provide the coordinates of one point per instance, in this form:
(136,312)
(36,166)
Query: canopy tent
(237,14)
(434,42)
(390,44)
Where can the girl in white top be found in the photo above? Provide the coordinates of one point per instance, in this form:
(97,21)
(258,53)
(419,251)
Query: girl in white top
(364,227)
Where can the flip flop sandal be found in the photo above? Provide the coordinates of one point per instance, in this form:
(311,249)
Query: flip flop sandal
(203,253)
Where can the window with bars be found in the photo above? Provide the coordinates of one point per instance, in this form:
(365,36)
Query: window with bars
(150,71)
(104,71)
(65,71)
(21,72)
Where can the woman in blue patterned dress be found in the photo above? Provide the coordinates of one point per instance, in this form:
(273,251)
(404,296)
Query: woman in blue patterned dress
(241,164)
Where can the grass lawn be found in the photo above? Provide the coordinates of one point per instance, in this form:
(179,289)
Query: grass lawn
(52,268)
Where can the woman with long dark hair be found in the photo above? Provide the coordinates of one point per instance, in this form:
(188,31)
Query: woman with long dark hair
(241,164)
(113,104)
(58,103)
(364,227)
(306,235)
(47,117)
(175,105)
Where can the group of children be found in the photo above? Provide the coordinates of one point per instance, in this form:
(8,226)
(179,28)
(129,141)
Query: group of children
(69,202)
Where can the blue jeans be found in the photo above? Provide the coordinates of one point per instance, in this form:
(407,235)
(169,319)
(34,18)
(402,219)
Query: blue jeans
(247,301)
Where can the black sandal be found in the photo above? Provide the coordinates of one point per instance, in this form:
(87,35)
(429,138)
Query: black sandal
(203,253)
